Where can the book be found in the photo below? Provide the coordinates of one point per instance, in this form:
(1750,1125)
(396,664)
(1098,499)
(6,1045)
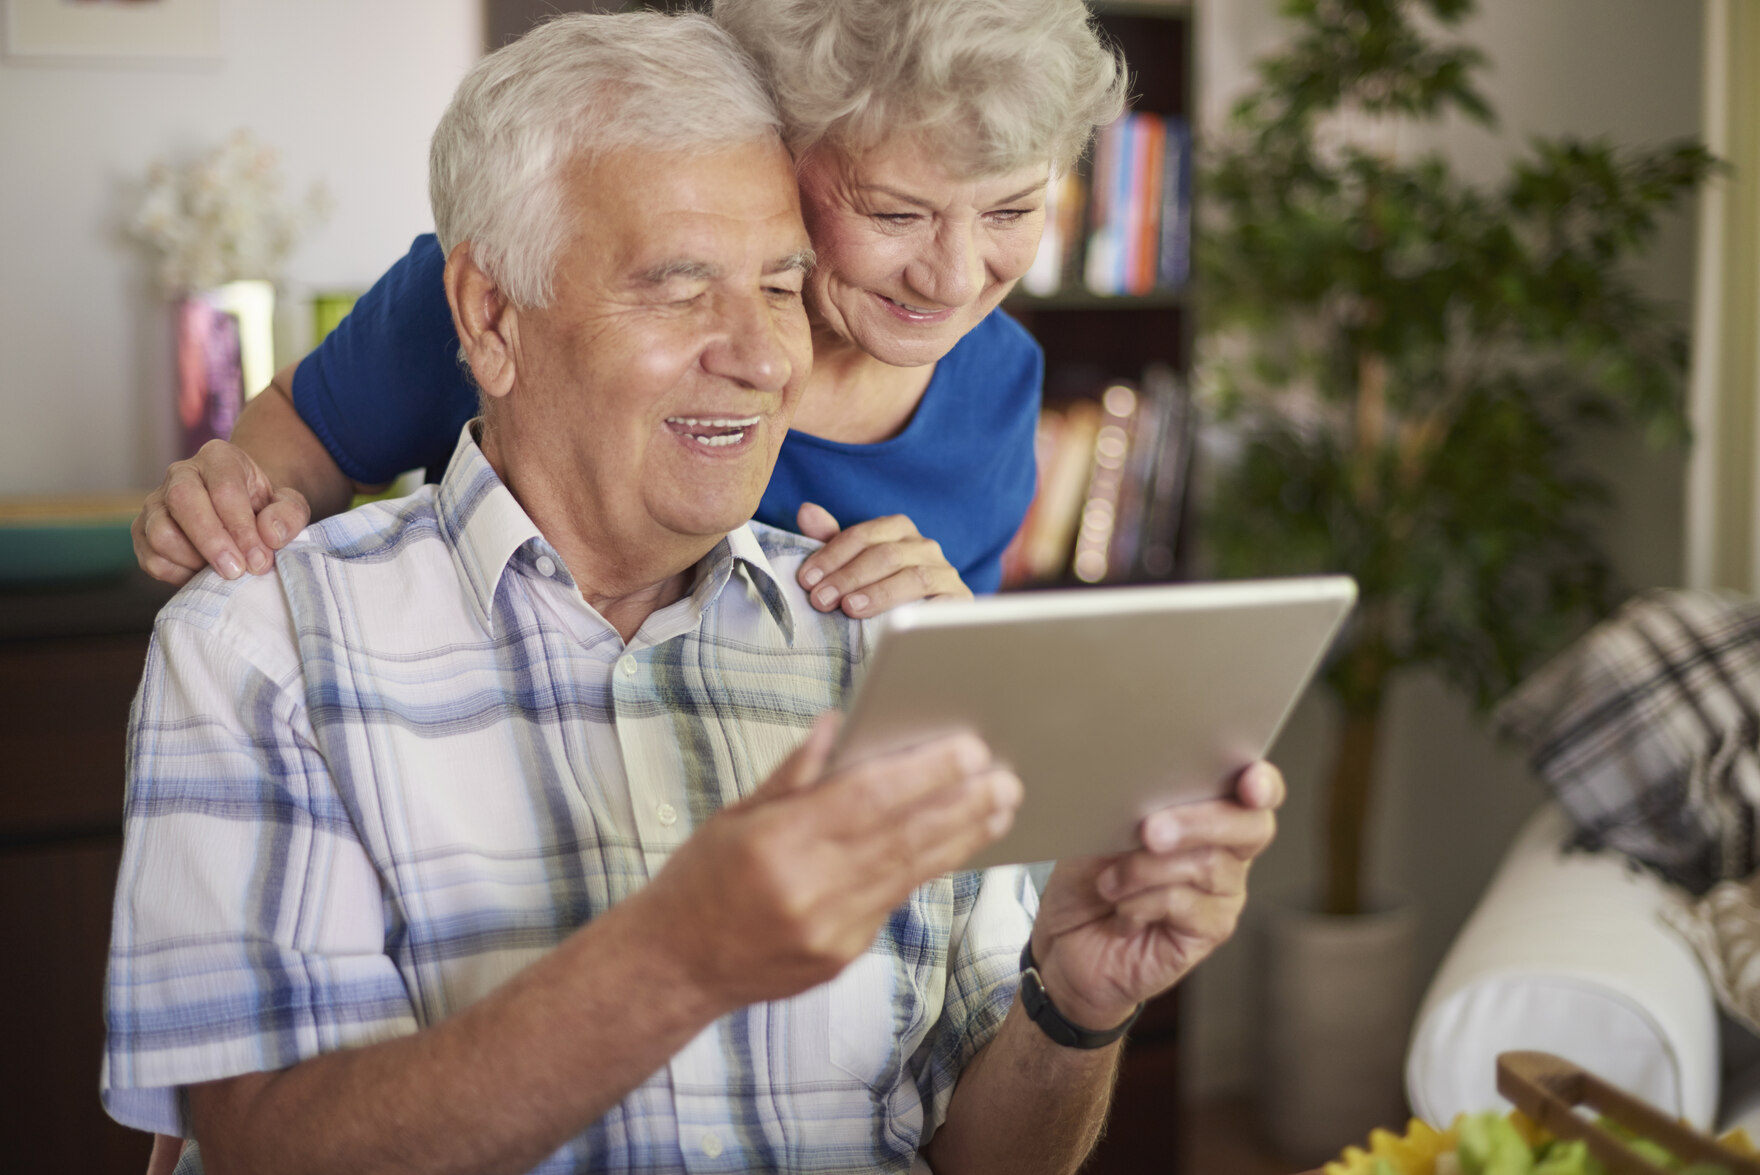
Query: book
(1063,448)
(1167,473)
(1175,248)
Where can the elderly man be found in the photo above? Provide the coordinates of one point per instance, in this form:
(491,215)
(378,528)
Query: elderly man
(483,835)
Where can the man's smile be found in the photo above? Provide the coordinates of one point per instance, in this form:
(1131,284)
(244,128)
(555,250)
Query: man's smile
(713,432)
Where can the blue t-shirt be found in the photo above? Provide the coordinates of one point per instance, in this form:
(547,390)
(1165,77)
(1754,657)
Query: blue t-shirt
(385,392)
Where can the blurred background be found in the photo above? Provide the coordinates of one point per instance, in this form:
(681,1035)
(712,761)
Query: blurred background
(346,94)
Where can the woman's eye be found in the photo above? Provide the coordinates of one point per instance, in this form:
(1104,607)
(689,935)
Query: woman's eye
(897,219)
(1010,215)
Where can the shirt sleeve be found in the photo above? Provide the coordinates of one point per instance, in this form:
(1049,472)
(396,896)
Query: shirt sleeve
(385,391)
(249,930)
(993,915)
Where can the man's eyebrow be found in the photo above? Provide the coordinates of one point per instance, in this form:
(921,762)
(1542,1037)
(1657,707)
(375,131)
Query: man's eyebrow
(678,267)
(801,259)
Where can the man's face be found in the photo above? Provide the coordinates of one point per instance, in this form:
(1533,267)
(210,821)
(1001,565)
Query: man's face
(654,391)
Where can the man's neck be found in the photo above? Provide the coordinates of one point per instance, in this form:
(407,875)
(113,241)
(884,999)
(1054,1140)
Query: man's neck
(624,580)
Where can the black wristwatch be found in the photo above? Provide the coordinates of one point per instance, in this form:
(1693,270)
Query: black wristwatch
(1051,1022)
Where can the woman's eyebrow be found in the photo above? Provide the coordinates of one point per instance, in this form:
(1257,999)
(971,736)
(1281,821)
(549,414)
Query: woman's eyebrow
(907,198)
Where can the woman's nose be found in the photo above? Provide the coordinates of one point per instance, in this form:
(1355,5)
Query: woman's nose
(950,271)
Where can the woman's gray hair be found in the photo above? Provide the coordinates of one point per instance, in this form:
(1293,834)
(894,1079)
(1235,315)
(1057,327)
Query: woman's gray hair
(574,87)
(999,84)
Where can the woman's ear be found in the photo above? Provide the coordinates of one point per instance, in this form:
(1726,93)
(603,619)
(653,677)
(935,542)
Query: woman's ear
(486,321)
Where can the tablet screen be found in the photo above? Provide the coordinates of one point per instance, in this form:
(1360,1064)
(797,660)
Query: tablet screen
(1109,703)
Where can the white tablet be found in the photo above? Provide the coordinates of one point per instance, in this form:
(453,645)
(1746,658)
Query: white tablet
(1109,703)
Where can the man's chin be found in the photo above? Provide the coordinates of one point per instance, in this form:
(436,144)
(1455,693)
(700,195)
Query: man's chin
(710,521)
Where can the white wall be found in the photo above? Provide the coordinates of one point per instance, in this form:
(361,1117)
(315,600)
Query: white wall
(1452,796)
(347,91)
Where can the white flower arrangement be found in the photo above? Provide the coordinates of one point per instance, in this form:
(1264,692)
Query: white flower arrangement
(222,218)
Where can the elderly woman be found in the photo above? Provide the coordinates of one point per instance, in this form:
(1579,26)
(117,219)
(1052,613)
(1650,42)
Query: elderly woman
(924,133)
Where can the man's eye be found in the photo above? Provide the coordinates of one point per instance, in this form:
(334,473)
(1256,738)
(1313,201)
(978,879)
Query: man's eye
(782,292)
(896,219)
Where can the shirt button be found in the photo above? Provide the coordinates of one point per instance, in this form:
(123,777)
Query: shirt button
(666,814)
(627,663)
(712,1144)
(546,566)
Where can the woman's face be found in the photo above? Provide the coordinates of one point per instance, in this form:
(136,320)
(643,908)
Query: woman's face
(911,256)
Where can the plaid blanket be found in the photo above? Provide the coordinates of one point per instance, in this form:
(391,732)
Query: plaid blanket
(1646,730)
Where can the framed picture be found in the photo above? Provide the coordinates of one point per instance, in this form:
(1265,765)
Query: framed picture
(119,31)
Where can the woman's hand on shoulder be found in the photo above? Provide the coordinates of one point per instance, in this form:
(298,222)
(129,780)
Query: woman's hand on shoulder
(217,508)
(874,566)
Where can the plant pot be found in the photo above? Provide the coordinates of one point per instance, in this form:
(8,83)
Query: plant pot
(1338,1004)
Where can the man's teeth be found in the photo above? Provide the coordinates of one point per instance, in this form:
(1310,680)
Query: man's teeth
(734,429)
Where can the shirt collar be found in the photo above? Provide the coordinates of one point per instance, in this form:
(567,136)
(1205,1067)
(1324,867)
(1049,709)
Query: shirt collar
(485,527)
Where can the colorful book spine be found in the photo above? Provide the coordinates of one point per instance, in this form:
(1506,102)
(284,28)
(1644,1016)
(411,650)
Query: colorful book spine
(1176,207)
(1146,225)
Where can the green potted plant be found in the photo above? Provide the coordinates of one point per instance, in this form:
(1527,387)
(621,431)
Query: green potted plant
(1400,364)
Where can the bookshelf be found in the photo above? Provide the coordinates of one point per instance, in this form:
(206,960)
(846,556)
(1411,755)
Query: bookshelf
(1096,339)
(1094,342)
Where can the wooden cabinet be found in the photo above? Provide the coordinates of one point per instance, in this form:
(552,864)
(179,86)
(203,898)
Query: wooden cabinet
(69,665)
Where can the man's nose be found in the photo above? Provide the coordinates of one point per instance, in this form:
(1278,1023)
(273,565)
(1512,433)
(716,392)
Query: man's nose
(951,270)
(749,347)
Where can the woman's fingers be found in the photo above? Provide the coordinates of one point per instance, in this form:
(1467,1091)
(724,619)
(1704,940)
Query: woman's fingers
(877,565)
(816,522)
(161,548)
(216,509)
(285,516)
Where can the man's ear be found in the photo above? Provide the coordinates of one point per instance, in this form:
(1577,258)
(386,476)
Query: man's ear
(486,321)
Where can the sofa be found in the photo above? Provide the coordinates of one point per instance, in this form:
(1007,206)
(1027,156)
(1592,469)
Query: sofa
(1567,953)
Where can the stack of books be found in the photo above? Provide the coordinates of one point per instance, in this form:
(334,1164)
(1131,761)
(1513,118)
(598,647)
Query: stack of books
(1112,478)
(1125,226)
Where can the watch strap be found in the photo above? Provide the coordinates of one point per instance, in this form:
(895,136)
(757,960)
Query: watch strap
(1041,1011)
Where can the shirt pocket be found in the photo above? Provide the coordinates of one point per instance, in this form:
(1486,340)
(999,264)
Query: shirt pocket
(884,1004)
(876,1014)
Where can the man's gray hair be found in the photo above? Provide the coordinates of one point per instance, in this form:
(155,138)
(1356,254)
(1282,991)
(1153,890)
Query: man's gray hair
(1000,84)
(575,87)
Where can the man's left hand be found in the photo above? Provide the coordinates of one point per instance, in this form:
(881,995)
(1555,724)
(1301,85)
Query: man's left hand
(1115,931)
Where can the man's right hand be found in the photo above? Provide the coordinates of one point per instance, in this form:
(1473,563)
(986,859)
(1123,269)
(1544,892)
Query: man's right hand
(216,509)
(780,892)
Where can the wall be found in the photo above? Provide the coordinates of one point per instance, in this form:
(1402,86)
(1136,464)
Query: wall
(1629,69)
(348,92)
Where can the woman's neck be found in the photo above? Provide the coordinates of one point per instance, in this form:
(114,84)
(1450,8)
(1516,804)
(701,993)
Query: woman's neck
(853,397)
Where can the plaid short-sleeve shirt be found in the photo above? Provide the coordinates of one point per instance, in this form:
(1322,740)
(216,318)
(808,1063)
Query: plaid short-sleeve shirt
(367,789)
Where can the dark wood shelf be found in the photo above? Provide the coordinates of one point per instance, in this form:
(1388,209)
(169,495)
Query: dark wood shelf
(70,661)
(1083,300)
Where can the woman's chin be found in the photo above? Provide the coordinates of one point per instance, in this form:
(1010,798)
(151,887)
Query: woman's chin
(909,346)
